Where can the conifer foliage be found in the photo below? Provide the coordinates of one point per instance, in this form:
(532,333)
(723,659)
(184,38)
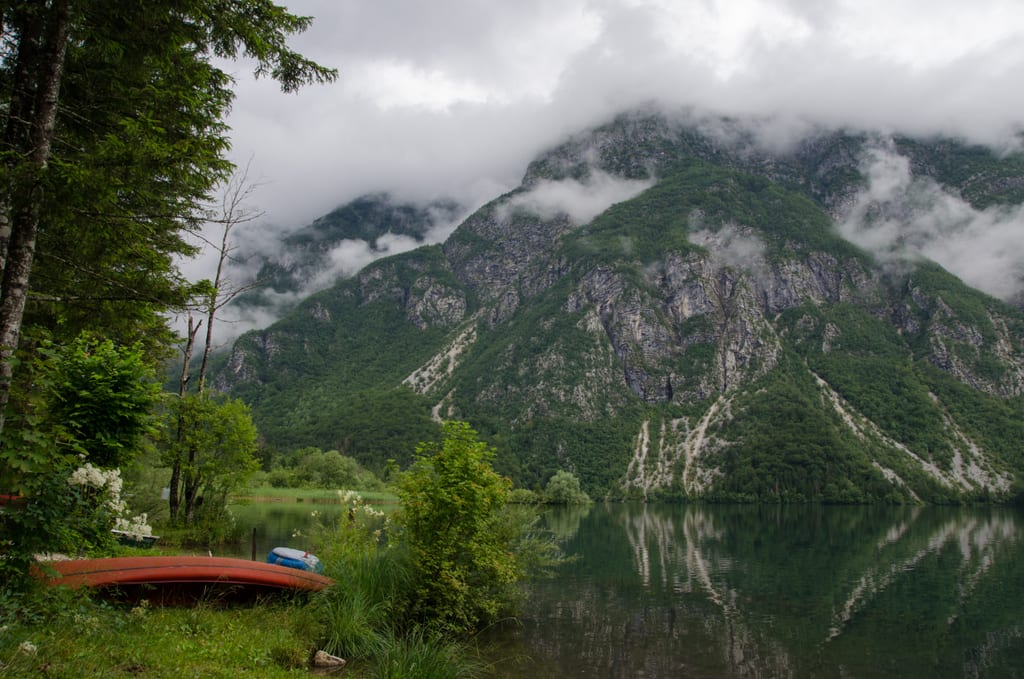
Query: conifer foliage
(111,142)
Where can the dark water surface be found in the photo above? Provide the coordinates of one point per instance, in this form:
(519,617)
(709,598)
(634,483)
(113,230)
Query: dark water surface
(793,591)
(741,591)
(279,524)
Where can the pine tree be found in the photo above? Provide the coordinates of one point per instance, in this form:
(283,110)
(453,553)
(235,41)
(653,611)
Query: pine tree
(113,141)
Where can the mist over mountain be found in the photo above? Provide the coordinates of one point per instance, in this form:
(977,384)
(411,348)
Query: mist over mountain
(682,307)
(282,267)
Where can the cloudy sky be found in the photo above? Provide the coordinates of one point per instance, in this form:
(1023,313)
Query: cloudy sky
(454,97)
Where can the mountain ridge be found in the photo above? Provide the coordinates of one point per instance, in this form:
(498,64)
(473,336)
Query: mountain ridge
(707,334)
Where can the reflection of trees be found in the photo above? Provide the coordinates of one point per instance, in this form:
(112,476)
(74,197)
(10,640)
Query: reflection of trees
(564,521)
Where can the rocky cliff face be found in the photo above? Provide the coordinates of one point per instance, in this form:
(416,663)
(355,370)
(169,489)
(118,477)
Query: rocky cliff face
(334,246)
(707,333)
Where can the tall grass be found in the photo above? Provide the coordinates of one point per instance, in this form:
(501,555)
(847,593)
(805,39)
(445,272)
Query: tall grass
(360,611)
(416,656)
(355,625)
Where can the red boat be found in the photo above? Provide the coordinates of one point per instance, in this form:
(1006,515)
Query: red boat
(174,570)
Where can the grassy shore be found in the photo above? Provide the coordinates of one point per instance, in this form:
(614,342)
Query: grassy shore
(77,636)
(56,632)
(363,617)
(314,495)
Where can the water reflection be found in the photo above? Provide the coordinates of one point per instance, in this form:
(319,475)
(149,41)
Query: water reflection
(667,591)
(278,524)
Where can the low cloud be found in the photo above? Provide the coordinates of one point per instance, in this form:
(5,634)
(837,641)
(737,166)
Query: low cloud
(900,218)
(733,247)
(456,97)
(580,201)
(259,243)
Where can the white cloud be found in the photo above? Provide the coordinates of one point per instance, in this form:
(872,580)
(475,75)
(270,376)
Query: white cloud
(581,201)
(455,97)
(899,217)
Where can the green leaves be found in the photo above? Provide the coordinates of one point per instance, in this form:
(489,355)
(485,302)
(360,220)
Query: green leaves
(216,438)
(90,398)
(564,489)
(103,395)
(452,508)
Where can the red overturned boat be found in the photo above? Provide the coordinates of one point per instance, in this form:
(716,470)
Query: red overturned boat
(126,571)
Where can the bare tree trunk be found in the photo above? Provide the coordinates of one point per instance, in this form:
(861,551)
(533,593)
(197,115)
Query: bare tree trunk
(174,487)
(233,212)
(24,222)
(212,311)
(184,473)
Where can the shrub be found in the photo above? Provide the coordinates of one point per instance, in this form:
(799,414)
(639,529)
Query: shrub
(564,489)
(452,512)
(523,496)
(69,510)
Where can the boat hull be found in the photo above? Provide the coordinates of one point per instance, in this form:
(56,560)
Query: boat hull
(166,570)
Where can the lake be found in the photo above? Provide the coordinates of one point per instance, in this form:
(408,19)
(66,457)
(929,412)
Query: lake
(772,591)
(278,524)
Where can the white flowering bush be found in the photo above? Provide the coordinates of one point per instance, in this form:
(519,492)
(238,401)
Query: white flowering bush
(71,511)
(91,400)
(104,485)
(137,528)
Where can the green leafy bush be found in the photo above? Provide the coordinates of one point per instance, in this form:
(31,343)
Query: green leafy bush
(564,489)
(103,395)
(452,521)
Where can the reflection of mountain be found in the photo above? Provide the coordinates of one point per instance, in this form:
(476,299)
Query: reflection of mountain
(977,541)
(686,565)
(810,591)
(778,577)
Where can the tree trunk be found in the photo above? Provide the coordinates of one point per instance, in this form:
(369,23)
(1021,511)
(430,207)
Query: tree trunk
(174,499)
(17,129)
(24,222)
(192,481)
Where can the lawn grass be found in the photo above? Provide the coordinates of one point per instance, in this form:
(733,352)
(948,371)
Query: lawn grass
(94,638)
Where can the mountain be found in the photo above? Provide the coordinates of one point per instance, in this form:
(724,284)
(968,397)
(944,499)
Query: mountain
(669,310)
(314,256)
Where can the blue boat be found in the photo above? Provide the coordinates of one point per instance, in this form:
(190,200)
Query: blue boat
(295,558)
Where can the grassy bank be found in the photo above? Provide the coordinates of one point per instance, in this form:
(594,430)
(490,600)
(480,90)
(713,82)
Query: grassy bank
(67,634)
(313,495)
(411,590)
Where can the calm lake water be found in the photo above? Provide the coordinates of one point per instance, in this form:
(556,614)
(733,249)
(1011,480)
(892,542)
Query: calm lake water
(793,591)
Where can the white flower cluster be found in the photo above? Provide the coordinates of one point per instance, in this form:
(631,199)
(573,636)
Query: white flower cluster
(28,648)
(137,527)
(347,496)
(109,479)
(89,475)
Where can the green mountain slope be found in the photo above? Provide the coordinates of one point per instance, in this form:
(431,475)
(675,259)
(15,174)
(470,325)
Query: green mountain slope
(305,255)
(710,336)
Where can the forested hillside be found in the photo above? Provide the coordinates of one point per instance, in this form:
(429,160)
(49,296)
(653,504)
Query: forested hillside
(672,311)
